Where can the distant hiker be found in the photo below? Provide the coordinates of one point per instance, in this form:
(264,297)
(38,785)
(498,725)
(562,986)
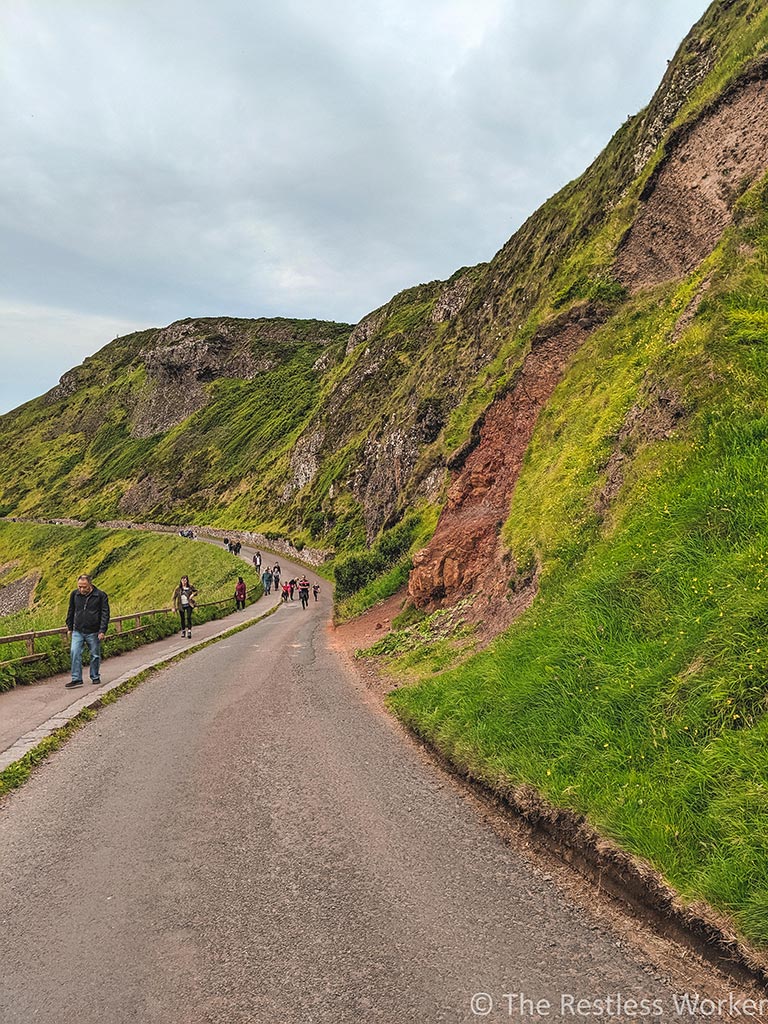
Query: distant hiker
(276,575)
(286,591)
(315,589)
(238,545)
(267,580)
(226,543)
(240,593)
(292,585)
(183,603)
(277,568)
(257,561)
(304,591)
(87,622)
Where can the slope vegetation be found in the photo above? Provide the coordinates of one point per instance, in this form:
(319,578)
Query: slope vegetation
(579,424)
(40,564)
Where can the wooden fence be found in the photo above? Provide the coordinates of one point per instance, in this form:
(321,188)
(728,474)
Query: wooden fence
(119,630)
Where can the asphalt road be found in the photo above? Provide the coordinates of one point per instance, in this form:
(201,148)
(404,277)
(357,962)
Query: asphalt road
(245,838)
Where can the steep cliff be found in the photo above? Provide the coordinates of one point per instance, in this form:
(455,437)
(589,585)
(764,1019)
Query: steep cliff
(330,434)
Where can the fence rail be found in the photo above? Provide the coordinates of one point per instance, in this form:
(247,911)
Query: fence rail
(117,621)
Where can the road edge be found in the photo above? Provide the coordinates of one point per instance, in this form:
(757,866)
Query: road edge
(32,750)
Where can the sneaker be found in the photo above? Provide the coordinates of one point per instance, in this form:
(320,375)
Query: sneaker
(183,632)
(189,635)
(97,681)
(73,682)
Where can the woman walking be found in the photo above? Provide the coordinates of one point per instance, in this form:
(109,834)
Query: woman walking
(240,593)
(183,603)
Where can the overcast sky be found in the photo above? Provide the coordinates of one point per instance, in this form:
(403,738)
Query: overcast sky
(172,158)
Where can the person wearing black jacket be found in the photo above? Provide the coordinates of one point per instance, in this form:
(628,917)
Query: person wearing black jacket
(87,622)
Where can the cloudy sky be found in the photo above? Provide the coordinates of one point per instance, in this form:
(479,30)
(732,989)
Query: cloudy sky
(172,158)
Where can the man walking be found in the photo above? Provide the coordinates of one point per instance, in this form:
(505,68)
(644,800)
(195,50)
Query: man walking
(87,622)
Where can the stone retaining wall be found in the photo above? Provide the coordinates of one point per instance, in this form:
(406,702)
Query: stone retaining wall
(311,556)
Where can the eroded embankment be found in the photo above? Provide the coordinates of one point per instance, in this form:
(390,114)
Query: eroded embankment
(688,201)
(465,555)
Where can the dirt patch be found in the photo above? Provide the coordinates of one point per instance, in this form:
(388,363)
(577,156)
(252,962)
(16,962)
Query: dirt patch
(465,555)
(653,420)
(688,200)
(19,595)
(363,632)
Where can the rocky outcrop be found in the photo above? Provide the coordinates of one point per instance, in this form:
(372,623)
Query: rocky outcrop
(688,200)
(389,462)
(143,496)
(365,330)
(452,299)
(678,83)
(188,355)
(465,555)
(69,383)
(304,461)
(18,595)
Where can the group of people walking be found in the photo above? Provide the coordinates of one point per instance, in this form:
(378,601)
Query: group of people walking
(270,578)
(290,587)
(88,615)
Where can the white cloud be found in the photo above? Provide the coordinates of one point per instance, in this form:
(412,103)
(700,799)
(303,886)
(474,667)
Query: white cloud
(170,158)
(42,343)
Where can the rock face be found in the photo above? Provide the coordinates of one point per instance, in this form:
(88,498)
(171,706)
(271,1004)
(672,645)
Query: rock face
(452,299)
(189,354)
(304,462)
(16,596)
(688,201)
(465,555)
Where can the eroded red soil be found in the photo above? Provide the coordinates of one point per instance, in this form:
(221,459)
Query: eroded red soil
(465,555)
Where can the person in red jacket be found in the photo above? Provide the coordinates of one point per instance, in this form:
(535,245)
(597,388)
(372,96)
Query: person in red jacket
(240,592)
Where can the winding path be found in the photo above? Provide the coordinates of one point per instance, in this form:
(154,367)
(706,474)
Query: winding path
(246,838)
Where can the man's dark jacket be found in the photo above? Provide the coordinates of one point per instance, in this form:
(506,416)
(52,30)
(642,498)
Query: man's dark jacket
(88,613)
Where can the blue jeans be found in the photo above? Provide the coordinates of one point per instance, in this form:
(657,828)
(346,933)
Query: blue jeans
(76,650)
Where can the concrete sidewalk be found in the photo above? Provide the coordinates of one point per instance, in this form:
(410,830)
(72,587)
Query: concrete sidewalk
(30,713)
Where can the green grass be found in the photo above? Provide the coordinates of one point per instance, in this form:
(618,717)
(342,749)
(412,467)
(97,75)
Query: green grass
(635,690)
(138,570)
(378,589)
(366,577)
(421,643)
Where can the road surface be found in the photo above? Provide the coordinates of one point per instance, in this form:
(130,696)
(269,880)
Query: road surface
(244,838)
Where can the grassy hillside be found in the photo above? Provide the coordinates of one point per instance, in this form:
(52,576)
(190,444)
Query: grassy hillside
(138,570)
(635,690)
(326,434)
(169,425)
